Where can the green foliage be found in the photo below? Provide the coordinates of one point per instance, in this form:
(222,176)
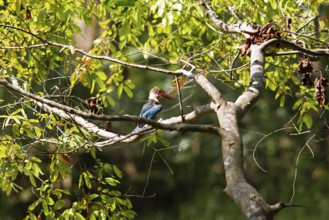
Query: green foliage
(39,150)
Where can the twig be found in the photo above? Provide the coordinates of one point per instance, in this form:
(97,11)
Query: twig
(160,155)
(64,111)
(231,9)
(148,173)
(304,25)
(180,99)
(296,167)
(233,62)
(256,147)
(107,58)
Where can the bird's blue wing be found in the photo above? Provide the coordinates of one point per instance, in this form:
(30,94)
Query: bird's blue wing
(150,110)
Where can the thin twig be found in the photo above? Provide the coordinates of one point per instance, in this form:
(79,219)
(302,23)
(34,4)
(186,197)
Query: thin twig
(180,99)
(148,173)
(305,24)
(233,62)
(164,160)
(296,168)
(255,148)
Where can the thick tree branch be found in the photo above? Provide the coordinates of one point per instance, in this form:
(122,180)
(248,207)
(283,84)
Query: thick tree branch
(80,117)
(239,190)
(247,99)
(243,194)
(211,90)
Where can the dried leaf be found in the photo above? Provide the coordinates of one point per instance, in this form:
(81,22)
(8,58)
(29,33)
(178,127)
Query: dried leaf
(28,14)
(52,153)
(304,65)
(66,158)
(306,79)
(181,82)
(108,125)
(245,47)
(320,84)
(95,105)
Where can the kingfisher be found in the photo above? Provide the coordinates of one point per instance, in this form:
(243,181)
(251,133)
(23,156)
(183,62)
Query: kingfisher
(153,106)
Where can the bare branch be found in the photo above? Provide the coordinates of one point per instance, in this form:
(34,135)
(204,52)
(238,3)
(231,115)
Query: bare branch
(221,25)
(306,23)
(288,44)
(279,206)
(24,47)
(99,57)
(293,52)
(79,117)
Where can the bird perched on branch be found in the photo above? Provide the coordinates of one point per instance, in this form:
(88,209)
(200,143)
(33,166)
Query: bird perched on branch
(153,106)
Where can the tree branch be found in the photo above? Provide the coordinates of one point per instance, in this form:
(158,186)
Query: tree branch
(211,90)
(287,44)
(221,25)
(247,99)
(293,52)
(99,57)
(80,117)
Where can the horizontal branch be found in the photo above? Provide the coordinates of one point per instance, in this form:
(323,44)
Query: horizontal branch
(287,44)
(99,57)
(279,206)
(80,117)
(294,52)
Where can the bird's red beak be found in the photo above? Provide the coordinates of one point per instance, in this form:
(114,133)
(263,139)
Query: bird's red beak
(165,95)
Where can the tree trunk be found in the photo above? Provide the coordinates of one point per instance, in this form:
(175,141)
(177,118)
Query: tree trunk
(251,203)
(238,189)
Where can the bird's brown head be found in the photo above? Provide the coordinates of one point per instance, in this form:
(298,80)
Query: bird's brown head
(155,92)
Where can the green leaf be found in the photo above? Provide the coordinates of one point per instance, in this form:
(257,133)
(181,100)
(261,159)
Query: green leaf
(129,84)
(45,207)
(126,3)
(86,180)
(78,216)
(297,103)
(54,175)
(129,214)
(111,181)
(164,141)
(59,204)
(32,217)
(120,89)
(93,152)
(34,204)
(117,171)
(32,180)
(282,101)
(101,75)
(50,201)
(128,92)
(308,121)
(18,6)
